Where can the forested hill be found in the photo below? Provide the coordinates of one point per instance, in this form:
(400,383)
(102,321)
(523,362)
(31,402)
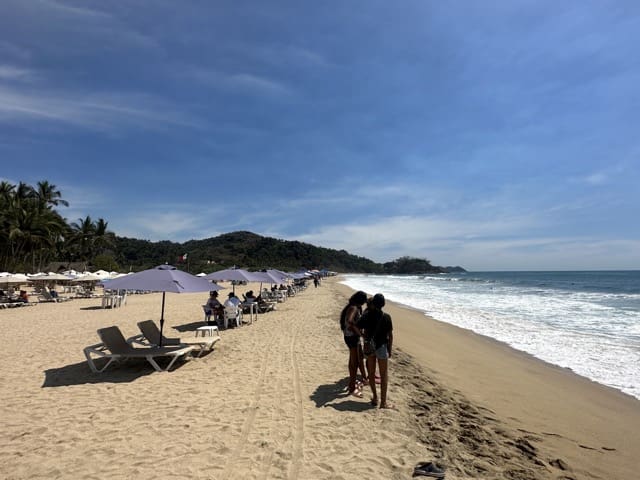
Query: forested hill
(254,252)
(241,249)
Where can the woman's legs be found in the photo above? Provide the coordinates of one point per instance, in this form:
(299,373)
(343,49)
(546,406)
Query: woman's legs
(371,367)
(384,381)
(361,361)
(353,368)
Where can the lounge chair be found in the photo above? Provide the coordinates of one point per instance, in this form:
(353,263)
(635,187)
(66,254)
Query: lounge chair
(45,296)
(150,337)
(115,348)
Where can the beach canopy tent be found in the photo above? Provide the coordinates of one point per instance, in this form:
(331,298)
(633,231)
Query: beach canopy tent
(103,274)
(163,278)
(232,275)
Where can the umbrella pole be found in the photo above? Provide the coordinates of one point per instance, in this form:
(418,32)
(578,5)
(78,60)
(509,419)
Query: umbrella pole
(162,319)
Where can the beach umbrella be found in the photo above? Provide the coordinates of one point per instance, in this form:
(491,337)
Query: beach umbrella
(49,277)
(163,278)
(279,274)
(268,277)
(87,278)
(232,275)
(16,279)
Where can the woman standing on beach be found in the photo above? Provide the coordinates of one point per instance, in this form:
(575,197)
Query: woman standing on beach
(378,326)
(349,318)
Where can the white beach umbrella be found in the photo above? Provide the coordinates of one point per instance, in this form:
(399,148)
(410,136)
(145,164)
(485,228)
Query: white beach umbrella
(87,278)
(16,279)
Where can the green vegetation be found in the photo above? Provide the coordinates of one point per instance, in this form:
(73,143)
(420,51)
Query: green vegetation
(240,249)
(406,265)
(33,234)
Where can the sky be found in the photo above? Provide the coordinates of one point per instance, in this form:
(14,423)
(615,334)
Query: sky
(494,135)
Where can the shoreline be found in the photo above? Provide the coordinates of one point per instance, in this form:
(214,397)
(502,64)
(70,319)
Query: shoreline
(591,427)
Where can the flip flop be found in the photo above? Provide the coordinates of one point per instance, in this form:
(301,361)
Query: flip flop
(388,406)
(356,393)
(428,469)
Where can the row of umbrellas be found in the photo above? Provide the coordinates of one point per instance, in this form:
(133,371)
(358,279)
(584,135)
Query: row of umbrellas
(20,279)
(167,278)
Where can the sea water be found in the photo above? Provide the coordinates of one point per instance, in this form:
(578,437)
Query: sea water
(588,322)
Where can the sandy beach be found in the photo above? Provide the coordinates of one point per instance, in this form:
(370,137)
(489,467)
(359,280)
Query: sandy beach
(270,401)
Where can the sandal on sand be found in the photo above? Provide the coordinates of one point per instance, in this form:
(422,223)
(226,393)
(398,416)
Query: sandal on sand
(374,402)
(356,393)
(388,406)
(428,469)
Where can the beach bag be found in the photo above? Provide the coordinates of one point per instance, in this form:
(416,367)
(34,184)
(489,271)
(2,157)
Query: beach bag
(369,347)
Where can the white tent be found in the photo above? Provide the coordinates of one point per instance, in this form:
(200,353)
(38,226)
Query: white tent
(103,274)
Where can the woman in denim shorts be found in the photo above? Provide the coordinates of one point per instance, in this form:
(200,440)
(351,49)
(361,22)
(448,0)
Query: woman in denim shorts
(378,326)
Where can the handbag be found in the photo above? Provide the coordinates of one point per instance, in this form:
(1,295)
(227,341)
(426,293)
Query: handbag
(369,347)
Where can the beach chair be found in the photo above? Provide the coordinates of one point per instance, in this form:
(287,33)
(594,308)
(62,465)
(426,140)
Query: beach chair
(207,313)
(232,314)
(150,337)
(45,296)
(114,347)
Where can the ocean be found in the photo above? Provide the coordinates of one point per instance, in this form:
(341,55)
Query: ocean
(588,322)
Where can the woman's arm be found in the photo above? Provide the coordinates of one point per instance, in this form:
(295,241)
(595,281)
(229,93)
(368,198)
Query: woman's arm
(351,324)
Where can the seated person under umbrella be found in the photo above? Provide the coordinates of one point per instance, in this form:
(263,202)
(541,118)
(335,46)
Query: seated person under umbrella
(213,306)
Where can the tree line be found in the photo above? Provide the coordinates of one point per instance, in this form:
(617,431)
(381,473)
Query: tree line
(33,234)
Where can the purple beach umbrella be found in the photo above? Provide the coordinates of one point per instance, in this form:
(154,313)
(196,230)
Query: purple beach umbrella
(268,277)
(232,275)
(163,278)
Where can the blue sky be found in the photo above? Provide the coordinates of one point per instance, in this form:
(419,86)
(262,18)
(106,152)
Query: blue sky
(498,135)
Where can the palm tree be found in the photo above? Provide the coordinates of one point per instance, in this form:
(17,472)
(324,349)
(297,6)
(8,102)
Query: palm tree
(48,195)
(33,233)
(83,232)
(103,239)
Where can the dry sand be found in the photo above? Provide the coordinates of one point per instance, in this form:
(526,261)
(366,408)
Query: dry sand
(270,402)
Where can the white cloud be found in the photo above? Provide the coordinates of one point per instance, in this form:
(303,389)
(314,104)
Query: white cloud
(63,9)
(238,82)
(94,111)
(10,72)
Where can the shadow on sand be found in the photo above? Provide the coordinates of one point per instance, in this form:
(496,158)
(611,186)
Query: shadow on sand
(326,396)
(80,374)
(188,327)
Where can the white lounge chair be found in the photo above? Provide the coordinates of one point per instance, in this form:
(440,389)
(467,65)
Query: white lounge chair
(150,337)
(114,347)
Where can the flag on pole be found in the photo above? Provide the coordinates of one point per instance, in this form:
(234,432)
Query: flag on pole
(182,258)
